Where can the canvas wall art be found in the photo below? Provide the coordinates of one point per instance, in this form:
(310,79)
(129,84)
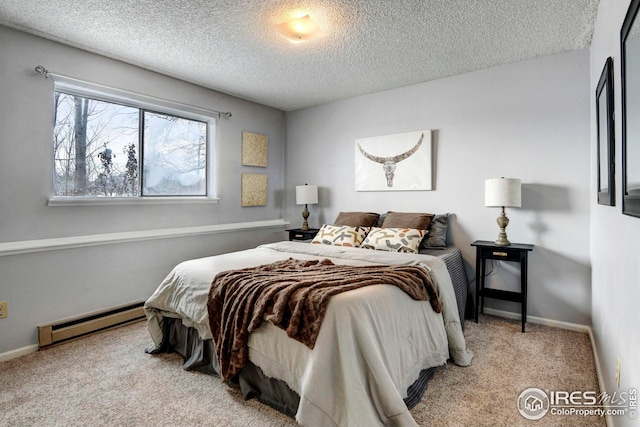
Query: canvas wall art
(398,162)
(254,189)
(255,149)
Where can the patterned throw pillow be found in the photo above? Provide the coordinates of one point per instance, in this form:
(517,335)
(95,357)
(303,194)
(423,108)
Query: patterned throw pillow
(394,239)
(340,235)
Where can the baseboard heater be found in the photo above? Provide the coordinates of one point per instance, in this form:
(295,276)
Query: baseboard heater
(86,324)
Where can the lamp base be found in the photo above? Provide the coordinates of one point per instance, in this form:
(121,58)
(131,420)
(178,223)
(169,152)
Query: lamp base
(305,215)
(502,221)
(502,240)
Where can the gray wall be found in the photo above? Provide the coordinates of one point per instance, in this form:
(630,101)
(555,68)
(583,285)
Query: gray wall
(50,285)
(528,120)
(615,237)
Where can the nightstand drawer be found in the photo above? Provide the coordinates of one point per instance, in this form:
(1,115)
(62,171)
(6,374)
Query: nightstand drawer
(299,234)
(506,254)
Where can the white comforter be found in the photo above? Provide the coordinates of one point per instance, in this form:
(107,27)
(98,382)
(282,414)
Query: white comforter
(372,345)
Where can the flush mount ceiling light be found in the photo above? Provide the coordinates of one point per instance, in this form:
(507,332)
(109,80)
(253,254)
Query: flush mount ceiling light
(299,30)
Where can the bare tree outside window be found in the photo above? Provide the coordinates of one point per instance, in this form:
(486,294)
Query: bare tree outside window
(88,134)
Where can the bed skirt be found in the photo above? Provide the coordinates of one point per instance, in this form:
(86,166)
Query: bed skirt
(200,356)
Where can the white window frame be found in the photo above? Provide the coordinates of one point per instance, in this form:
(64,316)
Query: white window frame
(136,100)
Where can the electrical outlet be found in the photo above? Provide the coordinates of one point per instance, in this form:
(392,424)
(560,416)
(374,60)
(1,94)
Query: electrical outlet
(3,310)
(618,372)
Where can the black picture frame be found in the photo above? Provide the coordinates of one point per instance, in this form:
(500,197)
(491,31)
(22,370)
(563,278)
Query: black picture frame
(606,139)
(630,85)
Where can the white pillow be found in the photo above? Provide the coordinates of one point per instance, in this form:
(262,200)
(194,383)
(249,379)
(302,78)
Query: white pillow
(340,235)
(394,239)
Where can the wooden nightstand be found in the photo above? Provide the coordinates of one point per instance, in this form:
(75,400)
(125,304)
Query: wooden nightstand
(299,234)
(516,252)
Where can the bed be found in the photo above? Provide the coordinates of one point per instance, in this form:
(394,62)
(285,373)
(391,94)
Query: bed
(373,355)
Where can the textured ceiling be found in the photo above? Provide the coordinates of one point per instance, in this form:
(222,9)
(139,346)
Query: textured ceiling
(368,46)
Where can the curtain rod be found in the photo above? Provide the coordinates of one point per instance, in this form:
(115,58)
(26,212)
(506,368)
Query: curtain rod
(46,73)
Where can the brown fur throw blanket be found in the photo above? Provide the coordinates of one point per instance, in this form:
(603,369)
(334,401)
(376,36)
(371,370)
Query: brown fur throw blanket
(293,295)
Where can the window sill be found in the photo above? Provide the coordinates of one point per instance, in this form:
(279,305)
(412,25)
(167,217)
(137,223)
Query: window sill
(115,201)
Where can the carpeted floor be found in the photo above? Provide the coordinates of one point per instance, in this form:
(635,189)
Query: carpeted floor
(108,380)
(506,363)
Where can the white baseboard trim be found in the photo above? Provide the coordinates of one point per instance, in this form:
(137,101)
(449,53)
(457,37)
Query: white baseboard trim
(538,320)
(43,245)
(18,352)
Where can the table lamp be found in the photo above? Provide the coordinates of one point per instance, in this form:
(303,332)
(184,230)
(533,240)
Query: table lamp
(502,193)
(306,195)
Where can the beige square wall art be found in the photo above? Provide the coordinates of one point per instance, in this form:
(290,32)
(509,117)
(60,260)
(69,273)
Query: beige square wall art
(254,149)
(254,189)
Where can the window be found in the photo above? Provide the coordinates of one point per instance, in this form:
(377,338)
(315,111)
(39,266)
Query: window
(106,148)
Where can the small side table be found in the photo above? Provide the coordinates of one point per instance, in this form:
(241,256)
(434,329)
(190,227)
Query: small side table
(299,234)
(516,252)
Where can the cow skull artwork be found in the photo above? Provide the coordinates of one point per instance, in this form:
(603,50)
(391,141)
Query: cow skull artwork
(389,163)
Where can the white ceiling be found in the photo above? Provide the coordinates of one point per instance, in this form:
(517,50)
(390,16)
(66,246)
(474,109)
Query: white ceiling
(368,46)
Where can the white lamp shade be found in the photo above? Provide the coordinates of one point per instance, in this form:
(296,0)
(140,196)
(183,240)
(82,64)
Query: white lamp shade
(505,192)
(306,194)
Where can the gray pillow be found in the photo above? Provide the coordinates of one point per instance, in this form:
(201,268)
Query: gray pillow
(437,237)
